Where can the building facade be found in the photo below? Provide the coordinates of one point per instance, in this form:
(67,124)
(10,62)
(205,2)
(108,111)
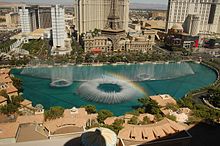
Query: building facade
(45,17)
(61,44)
(142,42)
(58,26)
(204,14)
(91,14)
(25,21)
(34,17)
(12,19)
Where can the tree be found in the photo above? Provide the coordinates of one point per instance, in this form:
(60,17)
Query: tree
(214,97)
(134,112)
(16,100)
(104,114)
(172,106)
(101,58)
(12,106)
(9,109)
(4,94)
(145,121)
(150,106)
(88,58)
(171,117)
(133,120)
(91,109)
(116,126)
(186,102)
(158,117)
(79,59)
(54,113)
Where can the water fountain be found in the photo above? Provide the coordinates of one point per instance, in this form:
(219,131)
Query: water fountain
(186,77)
(61,77)
(109,90)
(133,72)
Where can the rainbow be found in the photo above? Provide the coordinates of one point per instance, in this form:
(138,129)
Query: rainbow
(135,85)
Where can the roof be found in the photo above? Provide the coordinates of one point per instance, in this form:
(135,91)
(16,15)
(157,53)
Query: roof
(8,130)
(110,120)
(99,137)
(5,71)
(163,100)
(150,132)
(5,78)
(39,31)
(30,132)
(177,26)
(185,110)
(11,89)
(2,99)
(78,119)
(128,116)
(26,102)
(6,82)
(150,117)
(155,24)
(165,111)
(39,118)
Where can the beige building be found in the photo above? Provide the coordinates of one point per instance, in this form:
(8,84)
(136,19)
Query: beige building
(134,43)
(7,84)
(91,14)
(12,19)
(204,14)
(163,100)
(143,134)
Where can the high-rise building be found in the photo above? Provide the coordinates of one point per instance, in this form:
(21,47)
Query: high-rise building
(58,26)
(91,14)
(196,16)
(34,17)
(25,19)
(45,17)
(12,19)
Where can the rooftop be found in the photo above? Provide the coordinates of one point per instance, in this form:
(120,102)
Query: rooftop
(70,119)
(163,100)
(8,130)
(39,118)
(5,71)
(2,99)
(29,132)
(146,133)
(155,24)
(26,102)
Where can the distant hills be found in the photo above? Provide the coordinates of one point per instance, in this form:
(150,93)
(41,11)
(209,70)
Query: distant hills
(132,5)
(148,6)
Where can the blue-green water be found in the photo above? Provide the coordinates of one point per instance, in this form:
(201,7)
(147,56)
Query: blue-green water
(38,89)
(109,87)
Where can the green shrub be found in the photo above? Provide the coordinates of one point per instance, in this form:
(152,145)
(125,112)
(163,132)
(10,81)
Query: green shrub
(133,120)
(103,114)
(171,117)
(53,113)
(91,109)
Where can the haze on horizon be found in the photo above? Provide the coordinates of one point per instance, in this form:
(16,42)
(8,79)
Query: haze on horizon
(70,1)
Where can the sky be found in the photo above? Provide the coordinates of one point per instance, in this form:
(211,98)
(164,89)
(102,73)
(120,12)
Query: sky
(69,1)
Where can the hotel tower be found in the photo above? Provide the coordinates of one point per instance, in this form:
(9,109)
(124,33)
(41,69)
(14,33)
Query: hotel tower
(196,16)
(91,14)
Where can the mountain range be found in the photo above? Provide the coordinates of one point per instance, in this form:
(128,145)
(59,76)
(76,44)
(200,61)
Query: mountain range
(132,5)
